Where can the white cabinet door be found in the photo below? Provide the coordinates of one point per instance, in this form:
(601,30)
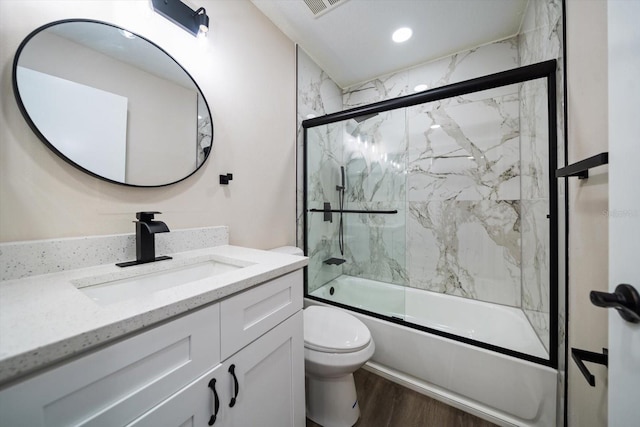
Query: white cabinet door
(270,378)
(250,314)
(195,405)
(268,387)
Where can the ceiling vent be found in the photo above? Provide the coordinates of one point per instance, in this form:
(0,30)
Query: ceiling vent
(320,7)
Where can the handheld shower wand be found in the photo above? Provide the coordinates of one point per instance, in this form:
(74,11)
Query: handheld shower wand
(342,186)
(341,189)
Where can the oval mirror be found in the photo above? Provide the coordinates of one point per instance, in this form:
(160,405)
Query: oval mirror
(112,103)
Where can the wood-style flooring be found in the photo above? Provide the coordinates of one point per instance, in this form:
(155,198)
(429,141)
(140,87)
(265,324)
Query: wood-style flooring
(384,403)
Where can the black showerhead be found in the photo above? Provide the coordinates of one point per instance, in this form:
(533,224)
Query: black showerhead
(364,117)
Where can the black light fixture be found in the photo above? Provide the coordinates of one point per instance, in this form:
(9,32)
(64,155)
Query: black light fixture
(193,21)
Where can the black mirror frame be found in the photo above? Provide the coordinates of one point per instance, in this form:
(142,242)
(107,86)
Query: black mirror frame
(35,129)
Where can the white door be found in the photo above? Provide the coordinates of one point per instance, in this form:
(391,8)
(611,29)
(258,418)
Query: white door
(624,205)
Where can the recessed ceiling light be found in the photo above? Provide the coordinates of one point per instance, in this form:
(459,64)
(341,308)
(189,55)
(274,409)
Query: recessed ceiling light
(402,34)
(420,87)
(435,126)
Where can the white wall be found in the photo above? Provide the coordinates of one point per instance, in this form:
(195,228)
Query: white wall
(588,203)
(246,70)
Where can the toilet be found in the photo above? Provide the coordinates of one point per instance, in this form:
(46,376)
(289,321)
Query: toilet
(336,344)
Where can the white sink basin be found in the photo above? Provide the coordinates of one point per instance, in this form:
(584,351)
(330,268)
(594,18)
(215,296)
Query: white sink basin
(115,289)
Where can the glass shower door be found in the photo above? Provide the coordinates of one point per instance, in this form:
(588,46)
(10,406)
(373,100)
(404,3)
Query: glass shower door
(356,198)
(440,210)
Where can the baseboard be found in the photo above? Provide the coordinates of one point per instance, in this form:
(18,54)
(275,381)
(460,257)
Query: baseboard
(444,396)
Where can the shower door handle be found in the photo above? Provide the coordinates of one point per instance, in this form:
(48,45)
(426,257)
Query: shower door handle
(625,299)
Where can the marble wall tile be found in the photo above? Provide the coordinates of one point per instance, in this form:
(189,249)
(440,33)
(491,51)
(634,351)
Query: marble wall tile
(317,95)
(374,154)
(322,241)
(475,113)
(540,39)
(474,153)
(386,87)
(536,289)
(540,323)
(535,255)
(376,244)
(324,158)
(480,61)
(476,62)
(534,140)
(466,248)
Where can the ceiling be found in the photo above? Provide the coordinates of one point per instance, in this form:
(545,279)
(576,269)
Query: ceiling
(351,39)
(110,40)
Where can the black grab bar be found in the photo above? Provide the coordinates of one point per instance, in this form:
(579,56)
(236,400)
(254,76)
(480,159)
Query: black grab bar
(394,211)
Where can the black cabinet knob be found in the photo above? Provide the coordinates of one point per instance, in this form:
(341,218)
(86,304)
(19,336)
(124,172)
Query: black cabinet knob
(625,299)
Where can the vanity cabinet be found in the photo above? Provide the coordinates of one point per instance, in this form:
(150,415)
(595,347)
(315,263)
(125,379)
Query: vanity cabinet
(161,376)
(266,388)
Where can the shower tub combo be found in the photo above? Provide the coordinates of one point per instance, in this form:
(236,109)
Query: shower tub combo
(431,218)
(448,370)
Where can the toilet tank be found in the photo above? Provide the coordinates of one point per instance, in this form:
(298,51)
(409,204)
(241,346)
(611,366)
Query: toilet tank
(291,250)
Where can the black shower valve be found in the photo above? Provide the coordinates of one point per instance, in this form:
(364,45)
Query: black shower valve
(224,179)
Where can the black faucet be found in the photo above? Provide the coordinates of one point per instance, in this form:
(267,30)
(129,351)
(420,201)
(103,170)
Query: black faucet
(146,228)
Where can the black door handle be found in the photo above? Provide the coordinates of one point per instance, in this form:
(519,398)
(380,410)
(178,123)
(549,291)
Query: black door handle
(625,299)
(235,385)
(216,401)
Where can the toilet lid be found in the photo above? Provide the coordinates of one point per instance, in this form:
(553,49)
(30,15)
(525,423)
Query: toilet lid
(333,331)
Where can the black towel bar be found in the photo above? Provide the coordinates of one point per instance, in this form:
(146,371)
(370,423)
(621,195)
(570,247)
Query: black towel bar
(581,168)
(581,356)
(395,211)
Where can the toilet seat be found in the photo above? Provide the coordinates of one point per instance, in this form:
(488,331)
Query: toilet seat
(329,330)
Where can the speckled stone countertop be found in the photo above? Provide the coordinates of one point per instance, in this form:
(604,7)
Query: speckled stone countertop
(45,319)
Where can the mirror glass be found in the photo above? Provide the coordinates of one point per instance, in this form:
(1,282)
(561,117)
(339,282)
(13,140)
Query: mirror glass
(112,103)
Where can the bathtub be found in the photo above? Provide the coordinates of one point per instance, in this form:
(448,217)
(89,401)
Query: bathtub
(500,388)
